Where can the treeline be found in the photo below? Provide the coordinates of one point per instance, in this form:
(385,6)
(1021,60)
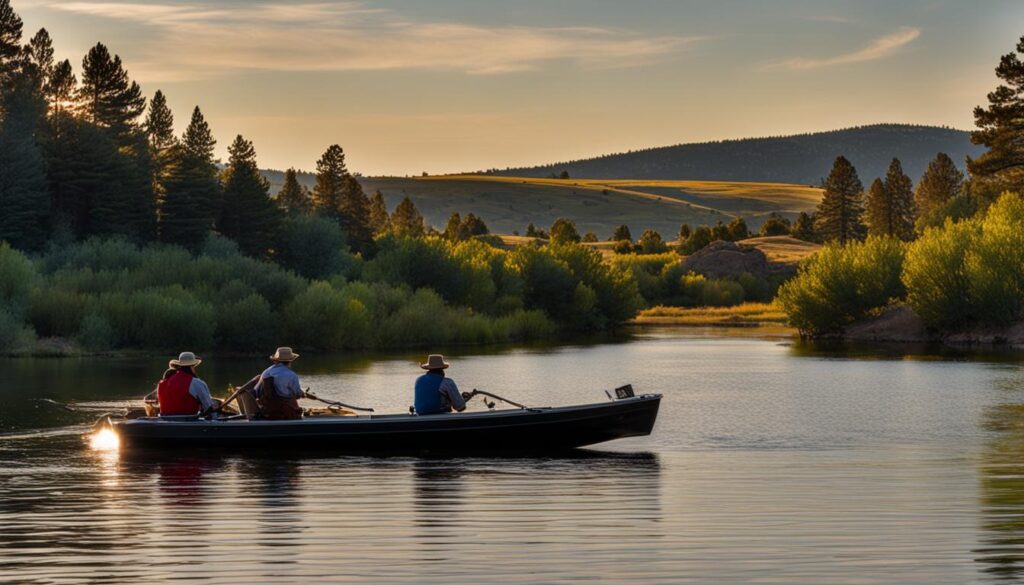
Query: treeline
(953,250)
(91,157)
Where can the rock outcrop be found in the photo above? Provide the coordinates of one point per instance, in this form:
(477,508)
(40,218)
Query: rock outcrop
(721,259)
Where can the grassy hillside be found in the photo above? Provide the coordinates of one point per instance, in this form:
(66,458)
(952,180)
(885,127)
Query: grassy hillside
(804,158)
(783,248)
(509,203)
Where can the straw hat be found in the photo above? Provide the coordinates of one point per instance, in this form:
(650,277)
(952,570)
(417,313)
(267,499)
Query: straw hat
(284,354)
(186,359)
(435,362)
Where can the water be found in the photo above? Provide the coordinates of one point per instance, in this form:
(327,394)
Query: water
(770,463)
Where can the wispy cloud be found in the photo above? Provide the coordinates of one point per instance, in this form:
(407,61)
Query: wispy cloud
(199,39)
(879,48)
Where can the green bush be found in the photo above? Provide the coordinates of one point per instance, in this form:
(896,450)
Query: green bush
(841,284)
(315,247)
(15,335)
(322,317)
(17,277)
(165,319)
(96,334)
(58,312)
(721,293)
(246,324)
(935,274)
(995,262)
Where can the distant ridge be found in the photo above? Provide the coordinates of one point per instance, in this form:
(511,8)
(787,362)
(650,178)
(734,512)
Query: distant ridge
(801,158)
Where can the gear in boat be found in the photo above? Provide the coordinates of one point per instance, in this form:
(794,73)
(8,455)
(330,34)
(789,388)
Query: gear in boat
(269,409)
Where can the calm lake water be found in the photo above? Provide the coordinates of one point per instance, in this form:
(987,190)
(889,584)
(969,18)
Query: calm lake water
(771,462)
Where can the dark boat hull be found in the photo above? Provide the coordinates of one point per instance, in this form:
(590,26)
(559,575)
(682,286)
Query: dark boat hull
(503,430)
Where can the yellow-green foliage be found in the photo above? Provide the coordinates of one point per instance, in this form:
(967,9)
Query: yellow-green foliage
(935,273)
(841,284)
(971,271)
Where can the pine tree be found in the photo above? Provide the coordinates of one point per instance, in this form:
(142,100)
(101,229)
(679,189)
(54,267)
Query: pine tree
(803,227)
(249,216)
(839,213)
(899,191)
(940,182)
(108,98)
(40,53)
(407,220)
(294,197)
(24,200)
(684,232)
(379,218)
(622,233)
(10,46)
(451,230)
(999,128)
(159,126)
(890,204)
(355,215)
(330,183)
(62,89)
(877,208)
(720,231)
(192,197)
(738,230)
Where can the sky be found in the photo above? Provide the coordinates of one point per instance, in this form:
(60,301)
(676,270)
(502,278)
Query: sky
(460,85)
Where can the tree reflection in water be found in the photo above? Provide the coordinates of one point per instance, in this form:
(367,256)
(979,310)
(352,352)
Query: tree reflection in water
(1002,494)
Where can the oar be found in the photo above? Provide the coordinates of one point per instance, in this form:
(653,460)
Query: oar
(312,396)
(231,398)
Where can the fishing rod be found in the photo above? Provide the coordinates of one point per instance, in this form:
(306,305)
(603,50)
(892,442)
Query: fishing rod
(476,392)
(334,403)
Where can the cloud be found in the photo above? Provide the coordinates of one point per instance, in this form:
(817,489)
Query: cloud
(879,48)
(200,39)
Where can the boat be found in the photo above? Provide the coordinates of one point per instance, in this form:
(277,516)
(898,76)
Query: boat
(511,429)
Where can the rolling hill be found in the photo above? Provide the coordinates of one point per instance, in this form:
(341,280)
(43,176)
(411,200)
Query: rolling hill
(661,188)
(803,158)
(508,204)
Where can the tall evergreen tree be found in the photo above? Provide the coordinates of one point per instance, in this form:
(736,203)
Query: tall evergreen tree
(877,208)
(10,46)
(40,53)
(940,182)
(803,227)
(108,97)
(1000,129)
(622,233)
(330,183)
(159,127)
(451,229)
(355,215)
(192,197)
(294,197)
(407,220)
(249,216)
(379,219)
(890,204)
(24,200)
(841,209)
(62,88)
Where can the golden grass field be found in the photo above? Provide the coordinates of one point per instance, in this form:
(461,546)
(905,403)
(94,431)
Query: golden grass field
(783,248)
(745,315)
(508,204)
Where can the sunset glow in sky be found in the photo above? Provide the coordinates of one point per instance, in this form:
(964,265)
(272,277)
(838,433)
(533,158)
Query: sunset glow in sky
(454,85)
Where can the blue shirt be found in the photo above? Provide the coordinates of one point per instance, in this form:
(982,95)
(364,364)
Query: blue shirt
(285,380)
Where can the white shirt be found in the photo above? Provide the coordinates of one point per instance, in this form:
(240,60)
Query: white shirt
(201,392)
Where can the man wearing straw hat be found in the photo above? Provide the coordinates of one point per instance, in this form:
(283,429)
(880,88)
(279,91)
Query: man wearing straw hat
(183,392)
(275,393)
(436,394)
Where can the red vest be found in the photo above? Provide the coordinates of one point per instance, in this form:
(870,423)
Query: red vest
(174,397)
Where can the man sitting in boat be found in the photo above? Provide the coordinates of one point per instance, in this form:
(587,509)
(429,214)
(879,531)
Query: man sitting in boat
(435,393)
(183,392)
(274,394)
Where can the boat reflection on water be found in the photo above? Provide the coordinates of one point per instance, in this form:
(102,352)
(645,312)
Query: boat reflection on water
(1001,500)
